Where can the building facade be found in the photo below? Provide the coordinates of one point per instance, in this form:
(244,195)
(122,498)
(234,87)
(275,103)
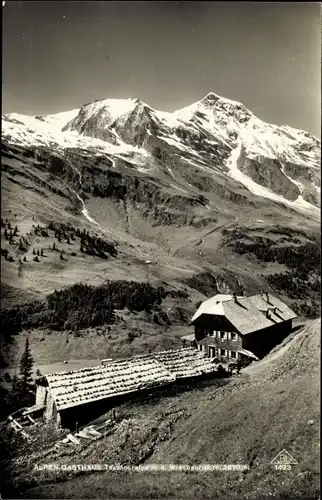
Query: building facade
(232,328)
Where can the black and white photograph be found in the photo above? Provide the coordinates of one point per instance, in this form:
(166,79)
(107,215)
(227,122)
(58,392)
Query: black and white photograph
(160,250)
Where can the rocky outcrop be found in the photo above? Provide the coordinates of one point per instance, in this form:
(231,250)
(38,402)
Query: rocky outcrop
(267,172)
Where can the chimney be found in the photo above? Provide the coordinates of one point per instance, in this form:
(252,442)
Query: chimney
(235,297)
(268,315)
(267,296)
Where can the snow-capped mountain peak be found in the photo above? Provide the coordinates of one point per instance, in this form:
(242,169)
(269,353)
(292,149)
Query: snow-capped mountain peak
(282,160)
(213,99)
(104,111)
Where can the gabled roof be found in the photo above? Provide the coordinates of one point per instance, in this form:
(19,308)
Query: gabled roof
(92,384)
(184,363)
(73,388)
(212,306)
(248,314)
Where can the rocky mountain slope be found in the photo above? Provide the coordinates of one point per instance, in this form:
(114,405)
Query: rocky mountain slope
(190,200)
(282,159)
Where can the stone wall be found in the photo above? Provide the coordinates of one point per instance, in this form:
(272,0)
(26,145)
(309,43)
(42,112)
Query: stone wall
(50,407)
(41,395)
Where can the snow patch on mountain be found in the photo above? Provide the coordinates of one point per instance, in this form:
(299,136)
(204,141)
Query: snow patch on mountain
(59,120)
(259,190)
(260,138)
(297,183)
(31,131)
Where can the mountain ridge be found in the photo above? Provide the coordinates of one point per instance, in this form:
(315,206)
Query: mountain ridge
(196,132)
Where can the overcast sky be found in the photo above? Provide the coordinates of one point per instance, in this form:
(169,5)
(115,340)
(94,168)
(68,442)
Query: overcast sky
(60,55)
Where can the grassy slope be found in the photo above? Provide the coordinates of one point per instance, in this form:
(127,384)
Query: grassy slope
(49,348)
(249,421)
(27,200)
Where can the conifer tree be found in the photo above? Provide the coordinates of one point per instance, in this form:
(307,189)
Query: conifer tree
(26,364)
(14,384)
(20,268)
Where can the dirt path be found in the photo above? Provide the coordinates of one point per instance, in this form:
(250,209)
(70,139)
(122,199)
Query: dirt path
(259,366)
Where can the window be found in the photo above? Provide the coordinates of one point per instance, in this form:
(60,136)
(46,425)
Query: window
(222,335)
(223,352)
(212,352)
(234,354)
(233,336)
